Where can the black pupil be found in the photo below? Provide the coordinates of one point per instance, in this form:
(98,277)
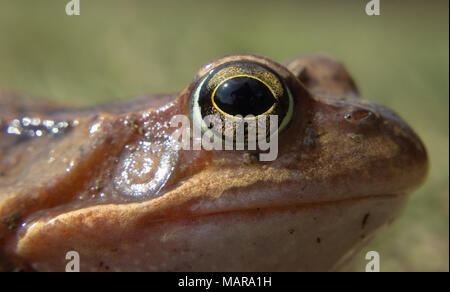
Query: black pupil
(244,96)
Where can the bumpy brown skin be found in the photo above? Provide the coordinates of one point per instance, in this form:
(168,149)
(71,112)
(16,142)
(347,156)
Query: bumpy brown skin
(343,171)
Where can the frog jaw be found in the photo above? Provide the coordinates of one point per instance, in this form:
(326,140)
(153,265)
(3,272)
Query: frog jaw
(308,237)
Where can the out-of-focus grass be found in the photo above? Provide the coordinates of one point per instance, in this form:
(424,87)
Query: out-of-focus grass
(120,49)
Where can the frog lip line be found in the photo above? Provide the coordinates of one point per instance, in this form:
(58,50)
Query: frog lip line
(255,209)
(299,206)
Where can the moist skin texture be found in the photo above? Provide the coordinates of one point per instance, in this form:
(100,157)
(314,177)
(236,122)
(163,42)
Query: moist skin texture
(109,183)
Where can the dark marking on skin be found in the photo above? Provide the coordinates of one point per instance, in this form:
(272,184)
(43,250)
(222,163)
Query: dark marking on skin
(310,138)
(318,240)
(103,266)
(363,236)
(250,157)
(291,231)
(364,221)
(81,150)
(109,140)
(12,222)
(131,124)
(355,138)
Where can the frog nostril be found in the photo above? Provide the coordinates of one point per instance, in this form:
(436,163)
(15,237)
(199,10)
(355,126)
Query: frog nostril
(358,115)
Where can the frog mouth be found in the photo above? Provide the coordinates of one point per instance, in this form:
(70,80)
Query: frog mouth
(115,231)
(265,208)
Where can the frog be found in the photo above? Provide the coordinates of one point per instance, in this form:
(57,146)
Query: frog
(111,183)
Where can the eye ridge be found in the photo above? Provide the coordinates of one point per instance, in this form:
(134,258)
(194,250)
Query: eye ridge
(248,95)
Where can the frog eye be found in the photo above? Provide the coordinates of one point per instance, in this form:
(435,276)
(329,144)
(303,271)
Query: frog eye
(241,89)
(243,95)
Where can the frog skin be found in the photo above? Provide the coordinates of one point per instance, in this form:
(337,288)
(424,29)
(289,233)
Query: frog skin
(109,183)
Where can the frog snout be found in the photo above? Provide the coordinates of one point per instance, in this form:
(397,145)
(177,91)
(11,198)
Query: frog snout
(411,155)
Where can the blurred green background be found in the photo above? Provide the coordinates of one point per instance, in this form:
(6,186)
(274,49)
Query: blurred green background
(120,49)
